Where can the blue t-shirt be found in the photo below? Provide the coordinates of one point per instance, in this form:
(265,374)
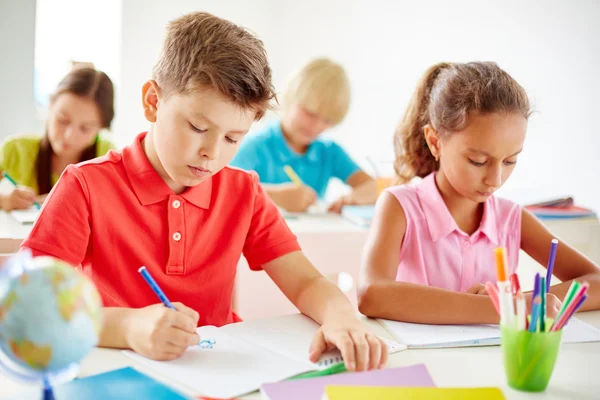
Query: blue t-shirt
(267,152)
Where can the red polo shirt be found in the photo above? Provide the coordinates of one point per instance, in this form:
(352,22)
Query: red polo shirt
(113,214)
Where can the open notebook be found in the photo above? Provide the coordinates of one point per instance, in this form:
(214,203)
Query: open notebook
(440,336)
(246,355)
(27,216)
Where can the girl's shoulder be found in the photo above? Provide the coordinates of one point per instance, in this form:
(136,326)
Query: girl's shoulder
(20,147)
(104,145)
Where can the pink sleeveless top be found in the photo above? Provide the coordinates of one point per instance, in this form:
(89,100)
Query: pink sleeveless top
(435,252)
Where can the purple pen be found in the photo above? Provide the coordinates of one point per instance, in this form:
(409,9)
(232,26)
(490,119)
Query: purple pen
(550,266)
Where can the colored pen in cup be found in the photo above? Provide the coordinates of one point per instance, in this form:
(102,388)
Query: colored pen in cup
(507,310)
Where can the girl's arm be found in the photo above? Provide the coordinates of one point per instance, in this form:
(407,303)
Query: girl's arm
(569,264)
(381,296)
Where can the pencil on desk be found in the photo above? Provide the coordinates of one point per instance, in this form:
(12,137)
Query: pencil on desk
(292,175)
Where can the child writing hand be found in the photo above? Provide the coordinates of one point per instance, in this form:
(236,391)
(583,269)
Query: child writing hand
(169,202)
(80,107)
(431,244)
(317,98)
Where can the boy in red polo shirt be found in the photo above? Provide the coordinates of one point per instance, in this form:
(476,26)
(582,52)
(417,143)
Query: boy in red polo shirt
(169,202)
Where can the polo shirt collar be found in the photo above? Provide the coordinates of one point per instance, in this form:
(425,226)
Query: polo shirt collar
(149,187)
(439,220)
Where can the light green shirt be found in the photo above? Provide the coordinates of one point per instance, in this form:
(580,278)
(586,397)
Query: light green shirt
(18,155)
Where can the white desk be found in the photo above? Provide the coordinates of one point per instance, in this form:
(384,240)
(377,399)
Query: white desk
(11,229)
(575,375)
(12,233)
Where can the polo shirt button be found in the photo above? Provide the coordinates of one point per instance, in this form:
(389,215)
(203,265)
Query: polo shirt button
(466,243)
(177,236)
(176,204)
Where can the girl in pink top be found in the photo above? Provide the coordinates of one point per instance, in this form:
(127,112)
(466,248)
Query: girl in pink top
(430,249)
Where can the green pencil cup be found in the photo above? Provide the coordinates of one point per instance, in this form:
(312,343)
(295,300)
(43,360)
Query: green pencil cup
(529,358)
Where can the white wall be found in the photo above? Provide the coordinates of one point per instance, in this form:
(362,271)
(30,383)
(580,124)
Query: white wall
(17,32)
(143,26)
(551,47)
(74,30)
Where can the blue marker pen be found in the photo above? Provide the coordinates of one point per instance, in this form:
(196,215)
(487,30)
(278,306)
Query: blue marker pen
(155,288)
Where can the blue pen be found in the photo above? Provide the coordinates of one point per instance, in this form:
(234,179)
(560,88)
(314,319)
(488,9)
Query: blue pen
(155,288)
(161,295)
(11,180)
(535,312)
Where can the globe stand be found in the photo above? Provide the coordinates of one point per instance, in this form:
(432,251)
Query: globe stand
(47,393)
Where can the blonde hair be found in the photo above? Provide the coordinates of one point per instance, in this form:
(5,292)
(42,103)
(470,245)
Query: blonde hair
(445,97)
(322,87)
(201,49)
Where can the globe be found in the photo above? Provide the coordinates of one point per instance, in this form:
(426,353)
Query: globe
(50,317)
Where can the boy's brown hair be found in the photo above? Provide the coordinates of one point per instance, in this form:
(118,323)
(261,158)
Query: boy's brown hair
(201,49)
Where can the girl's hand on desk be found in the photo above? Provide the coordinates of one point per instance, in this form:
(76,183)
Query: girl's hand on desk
(361,349)
(19,199)
(160,333)
(553,304)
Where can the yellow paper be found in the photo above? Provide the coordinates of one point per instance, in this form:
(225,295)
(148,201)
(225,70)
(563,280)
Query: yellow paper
(398,393)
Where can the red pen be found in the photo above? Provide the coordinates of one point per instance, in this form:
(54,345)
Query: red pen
(514,282)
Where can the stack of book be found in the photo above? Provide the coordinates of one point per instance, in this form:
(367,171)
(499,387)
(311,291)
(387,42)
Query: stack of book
(560,209)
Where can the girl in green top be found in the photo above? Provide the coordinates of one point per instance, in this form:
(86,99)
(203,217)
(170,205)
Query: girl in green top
(81,106)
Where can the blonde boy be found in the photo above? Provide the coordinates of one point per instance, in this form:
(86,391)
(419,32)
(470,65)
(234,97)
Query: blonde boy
(317,98)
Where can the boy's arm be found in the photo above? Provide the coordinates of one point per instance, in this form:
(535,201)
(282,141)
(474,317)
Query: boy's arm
(271,245)
(364,187)
(364,191)
(380,295)
(321,300)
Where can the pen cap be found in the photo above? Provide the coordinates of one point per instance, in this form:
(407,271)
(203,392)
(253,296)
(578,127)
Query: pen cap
(500,264)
